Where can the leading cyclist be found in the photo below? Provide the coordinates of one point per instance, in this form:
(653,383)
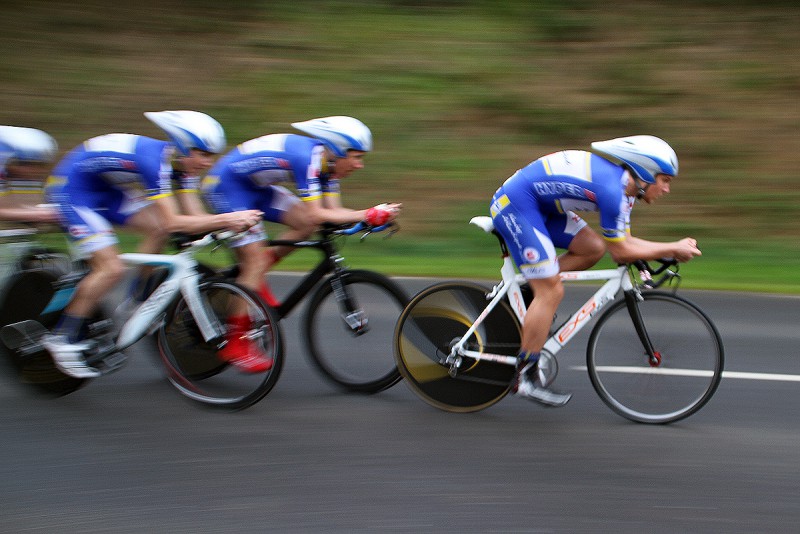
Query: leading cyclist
(248,177)
(25,158)
(125,179)
(534,212)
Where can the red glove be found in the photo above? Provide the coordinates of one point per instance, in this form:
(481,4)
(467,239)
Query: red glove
(378,215)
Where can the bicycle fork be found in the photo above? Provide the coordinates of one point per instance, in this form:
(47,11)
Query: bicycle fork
(353,316)
(632,299)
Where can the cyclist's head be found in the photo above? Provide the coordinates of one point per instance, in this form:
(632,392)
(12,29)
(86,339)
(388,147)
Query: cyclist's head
(339,134)
(27,145)
(190,129)
(643,155)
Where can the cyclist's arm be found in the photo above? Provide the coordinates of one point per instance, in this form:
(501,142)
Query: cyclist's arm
(32,214)
(330,210)
(175,222)
(632,248)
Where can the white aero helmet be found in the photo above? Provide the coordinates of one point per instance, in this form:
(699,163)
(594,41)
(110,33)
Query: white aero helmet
(339,133)
(190,129)
(644,155)
(27,144)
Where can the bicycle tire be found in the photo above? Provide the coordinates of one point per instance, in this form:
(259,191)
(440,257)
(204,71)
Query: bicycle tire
(25,297)
(348,358)
(689,367)
(193,365)
(437,317)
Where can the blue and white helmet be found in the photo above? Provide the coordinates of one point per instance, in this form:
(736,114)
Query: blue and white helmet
(644,155)
(190,129)
(27,144)
(338,133)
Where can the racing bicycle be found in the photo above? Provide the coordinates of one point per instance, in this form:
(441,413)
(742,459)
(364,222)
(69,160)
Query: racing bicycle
(652,356)
(36,295)
(348,322)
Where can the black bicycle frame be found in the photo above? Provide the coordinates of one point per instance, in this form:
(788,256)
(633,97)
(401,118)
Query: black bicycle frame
(330,263)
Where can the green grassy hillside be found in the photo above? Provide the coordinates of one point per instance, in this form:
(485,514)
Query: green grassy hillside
(459,94)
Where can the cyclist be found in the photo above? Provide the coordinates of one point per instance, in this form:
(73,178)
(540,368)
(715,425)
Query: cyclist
(534,211)
(125,179)
(248,177)
(25,157)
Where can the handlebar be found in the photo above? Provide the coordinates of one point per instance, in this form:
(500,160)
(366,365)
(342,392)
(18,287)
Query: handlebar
(17,232)
(647,273)
(360,227)
(185,241)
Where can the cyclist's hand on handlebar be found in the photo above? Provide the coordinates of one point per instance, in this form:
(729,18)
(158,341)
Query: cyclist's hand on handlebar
(239,221)
(686,249)
(382,214)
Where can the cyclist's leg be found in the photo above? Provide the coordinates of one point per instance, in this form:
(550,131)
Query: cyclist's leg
(526,235)
(147,223)
(524,229)
(284,207)
(96,241)
(584,246)
(281,206)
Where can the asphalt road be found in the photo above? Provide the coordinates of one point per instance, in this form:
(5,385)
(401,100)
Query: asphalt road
(128,454)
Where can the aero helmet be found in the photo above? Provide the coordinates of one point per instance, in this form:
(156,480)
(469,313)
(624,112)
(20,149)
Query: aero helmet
(190,129)
(27,144)
(339,133)
(644,155)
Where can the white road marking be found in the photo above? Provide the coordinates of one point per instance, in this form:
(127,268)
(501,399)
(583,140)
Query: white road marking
(691,372)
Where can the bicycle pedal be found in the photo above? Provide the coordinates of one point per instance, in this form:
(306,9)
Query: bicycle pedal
(23,337)
(99,328)
(112,362)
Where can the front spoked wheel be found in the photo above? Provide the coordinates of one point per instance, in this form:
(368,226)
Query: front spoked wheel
(437,318)
(194,365)
(349,330)
(678,380)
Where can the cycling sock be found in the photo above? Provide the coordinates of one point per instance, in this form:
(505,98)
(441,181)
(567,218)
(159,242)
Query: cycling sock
(239,323)
(74,328)
(266,294)
(527,357)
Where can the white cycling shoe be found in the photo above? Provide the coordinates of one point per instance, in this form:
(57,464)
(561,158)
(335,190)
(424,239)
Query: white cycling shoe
(532,389)
(70,357)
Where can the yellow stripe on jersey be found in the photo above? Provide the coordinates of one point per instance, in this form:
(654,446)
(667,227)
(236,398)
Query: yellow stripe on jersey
(588,163)
(209,181)
(499,205)
(55,180)
(547,168)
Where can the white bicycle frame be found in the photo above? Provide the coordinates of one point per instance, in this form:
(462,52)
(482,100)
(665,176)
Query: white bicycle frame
(616,280)
(182,276)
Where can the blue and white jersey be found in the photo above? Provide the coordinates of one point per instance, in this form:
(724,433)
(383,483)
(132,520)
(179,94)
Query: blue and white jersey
(137,166)
(14,186)
(568,181)
(258,164)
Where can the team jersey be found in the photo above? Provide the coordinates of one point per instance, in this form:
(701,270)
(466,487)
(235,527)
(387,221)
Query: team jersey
(137,166)
(572,180)
(12,186)
(265,161)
